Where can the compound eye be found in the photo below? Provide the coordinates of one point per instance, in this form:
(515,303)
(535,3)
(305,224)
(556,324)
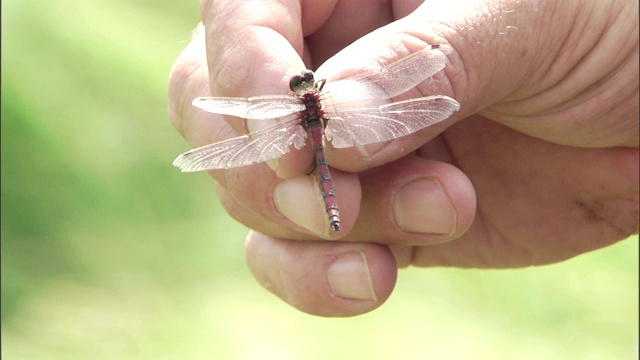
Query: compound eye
(307,76)
(294,82)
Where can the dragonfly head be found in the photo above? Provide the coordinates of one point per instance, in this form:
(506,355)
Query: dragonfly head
(302,82)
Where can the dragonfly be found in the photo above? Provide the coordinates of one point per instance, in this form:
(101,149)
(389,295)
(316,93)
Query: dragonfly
(350,112)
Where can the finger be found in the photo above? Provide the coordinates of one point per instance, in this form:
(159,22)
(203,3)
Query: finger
(414,201)
(323,278)
(366,55)
(264,38)
(188,79)
(292,208)
(505,60)
(254,48)
(574,76)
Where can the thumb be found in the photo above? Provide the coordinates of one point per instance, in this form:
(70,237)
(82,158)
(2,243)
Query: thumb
(500,53)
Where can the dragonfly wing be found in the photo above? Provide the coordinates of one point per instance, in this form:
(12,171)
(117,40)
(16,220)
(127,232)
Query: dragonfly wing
(388,81)
(244,150)
(259,107)
(386,122)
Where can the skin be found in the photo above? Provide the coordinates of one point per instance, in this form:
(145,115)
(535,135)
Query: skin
(538,166)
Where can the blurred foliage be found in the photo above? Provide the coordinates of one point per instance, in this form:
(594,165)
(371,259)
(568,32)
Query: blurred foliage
(87,147)
(110,253)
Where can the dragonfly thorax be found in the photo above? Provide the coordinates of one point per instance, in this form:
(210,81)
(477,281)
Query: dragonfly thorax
(313,114)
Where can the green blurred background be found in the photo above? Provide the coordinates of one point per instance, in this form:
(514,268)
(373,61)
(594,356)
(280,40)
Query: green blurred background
(108,252)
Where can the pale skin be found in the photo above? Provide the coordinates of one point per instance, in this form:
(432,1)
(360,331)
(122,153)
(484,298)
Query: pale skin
(538,166)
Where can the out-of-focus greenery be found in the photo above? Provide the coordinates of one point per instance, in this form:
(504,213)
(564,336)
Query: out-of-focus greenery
(108,252)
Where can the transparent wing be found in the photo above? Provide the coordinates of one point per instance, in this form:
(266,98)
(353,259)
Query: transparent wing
(386,122)
(259,107)
(253,148)
(386,82)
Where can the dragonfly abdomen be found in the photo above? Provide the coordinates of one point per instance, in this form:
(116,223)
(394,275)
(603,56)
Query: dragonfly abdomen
(316,132)
(313,122)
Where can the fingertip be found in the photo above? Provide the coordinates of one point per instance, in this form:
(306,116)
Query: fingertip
(415,201)
(268,54)
(323,278)
(422,206)
(300,200)
(363,274)
(297,199)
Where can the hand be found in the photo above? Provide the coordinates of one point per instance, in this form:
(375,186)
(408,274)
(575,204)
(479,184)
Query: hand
(539,165)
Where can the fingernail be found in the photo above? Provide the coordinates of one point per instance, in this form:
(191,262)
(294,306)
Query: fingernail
(299,200)
(273,164)
(349,277)
(422,206)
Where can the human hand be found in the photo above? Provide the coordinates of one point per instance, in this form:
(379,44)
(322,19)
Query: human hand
(540,164)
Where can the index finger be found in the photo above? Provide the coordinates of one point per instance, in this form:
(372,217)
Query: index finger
(255,47)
